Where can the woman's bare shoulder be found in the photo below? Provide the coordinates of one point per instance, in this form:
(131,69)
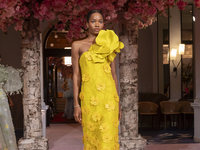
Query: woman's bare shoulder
(77,44)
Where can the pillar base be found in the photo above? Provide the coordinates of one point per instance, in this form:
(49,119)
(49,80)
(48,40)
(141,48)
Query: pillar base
(197,139)
(136,143)
(40,143)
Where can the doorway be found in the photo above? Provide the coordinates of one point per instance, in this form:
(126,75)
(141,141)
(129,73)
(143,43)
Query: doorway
(57,73)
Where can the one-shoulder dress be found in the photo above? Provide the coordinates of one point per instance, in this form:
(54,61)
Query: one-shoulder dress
(99,98)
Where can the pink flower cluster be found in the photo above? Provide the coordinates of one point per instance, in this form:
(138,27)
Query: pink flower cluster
(197,3)
(11,12)
(181,4)
(72,13)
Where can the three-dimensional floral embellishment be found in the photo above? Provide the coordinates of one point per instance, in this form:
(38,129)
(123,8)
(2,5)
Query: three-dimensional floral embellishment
(116,97)
(96,117)
(83,124)
(6,126)
(116,137)
(100,86)
(85,111)
(107,68)
(81,96)
(83,139)
(107,138)
(104,127)
(116,123)
(98,143)
(91,126)
(94,101)
(93,141)
(105,148)
(10,141)
(86,137)
(110,106)
(117,146)
(88,147)
(88,56)
(2,95)
(85,77)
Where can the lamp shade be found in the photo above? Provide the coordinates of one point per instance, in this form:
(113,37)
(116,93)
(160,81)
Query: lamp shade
(173,54)
(68,61)
(181,49)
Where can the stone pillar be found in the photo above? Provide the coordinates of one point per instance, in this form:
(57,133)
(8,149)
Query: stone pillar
(129,138)
(33,138)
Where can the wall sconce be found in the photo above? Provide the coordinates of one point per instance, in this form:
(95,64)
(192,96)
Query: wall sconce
(68,61)
(173,56)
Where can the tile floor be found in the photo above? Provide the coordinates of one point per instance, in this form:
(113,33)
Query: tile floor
(69,137)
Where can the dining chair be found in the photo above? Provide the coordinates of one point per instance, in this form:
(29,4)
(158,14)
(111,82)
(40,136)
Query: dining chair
(147,109)
(186,109)
(170,109)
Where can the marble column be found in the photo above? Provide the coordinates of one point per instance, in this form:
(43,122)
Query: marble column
(128,63)
(196,104)
(33,137)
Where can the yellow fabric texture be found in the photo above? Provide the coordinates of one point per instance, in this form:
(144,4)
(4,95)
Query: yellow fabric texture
(99,98)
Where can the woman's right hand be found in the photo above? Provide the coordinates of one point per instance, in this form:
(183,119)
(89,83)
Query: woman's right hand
(77,114)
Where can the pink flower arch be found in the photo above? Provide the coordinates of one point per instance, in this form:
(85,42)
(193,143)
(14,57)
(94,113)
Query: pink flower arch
(72,12)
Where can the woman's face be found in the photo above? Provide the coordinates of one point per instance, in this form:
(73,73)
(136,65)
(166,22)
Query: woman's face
(95,23)
(71,76)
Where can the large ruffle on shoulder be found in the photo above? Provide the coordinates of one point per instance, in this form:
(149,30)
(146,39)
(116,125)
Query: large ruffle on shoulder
(10,79)
(106,46)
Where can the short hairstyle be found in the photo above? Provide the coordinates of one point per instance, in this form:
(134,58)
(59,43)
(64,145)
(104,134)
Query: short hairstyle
(92,12)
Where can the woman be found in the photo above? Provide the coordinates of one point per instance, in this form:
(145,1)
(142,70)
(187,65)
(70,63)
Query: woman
(99,113)
(10,81)
(68,95)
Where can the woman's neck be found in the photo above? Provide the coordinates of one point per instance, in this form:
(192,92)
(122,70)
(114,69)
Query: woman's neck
(91,37)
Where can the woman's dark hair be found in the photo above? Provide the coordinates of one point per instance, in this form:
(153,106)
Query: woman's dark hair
(92,12)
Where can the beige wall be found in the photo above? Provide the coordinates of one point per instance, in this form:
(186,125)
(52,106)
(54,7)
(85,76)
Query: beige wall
(10,48)
(147,71)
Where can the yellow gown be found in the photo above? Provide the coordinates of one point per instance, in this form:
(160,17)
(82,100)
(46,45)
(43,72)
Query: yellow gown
(99,98)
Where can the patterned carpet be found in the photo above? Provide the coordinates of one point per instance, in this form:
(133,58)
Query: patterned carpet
(169,136)
(59,119)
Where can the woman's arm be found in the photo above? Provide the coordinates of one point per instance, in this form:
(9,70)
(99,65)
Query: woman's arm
(10,101)
(76,80)
(116,82)
(64,86)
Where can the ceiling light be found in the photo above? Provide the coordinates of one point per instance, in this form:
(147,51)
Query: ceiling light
(194,18)
(55,36)
(52,45)
(67,48)
(68,61)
